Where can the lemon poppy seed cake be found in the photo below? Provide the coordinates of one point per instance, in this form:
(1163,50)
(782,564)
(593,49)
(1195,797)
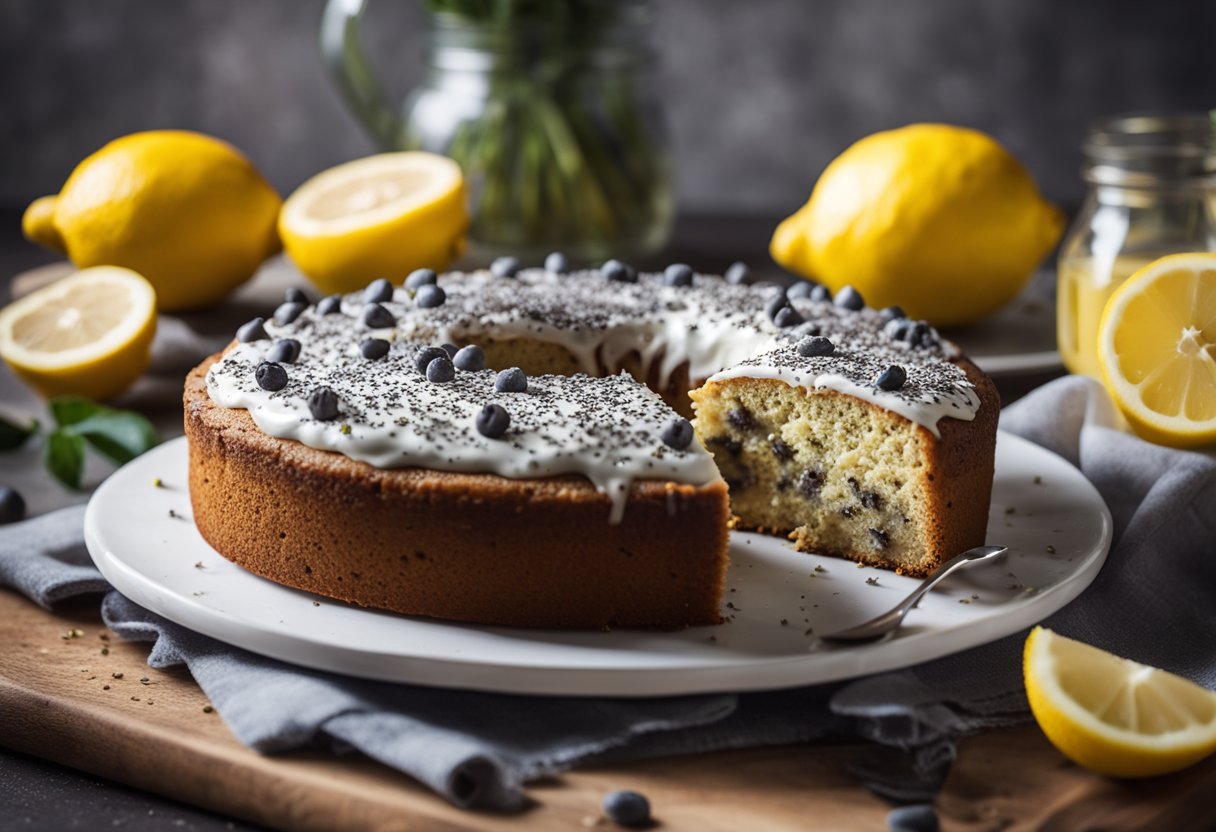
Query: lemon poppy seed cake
(509,446)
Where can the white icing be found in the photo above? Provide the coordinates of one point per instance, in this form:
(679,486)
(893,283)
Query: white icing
(961,404)
(606,429)
(562,425)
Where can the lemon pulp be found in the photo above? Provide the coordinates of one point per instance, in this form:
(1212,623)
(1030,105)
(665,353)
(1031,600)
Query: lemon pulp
(89,334)
(1157,349)
(1113,715)
(382,216)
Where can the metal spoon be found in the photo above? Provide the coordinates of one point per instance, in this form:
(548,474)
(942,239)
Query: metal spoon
(889,621)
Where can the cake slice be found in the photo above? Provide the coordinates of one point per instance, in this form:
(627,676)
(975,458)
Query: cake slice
(898,478)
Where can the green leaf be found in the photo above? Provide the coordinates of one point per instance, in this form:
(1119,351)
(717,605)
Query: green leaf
(13,435)
(119,434)
(65,457)
(68,410)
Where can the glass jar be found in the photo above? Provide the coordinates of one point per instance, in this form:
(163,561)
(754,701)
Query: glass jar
(1152,191)
(550,110)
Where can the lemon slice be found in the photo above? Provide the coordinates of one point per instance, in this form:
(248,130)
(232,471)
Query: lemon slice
(1157,348)
(382,216)
(1112,715)
(89,334)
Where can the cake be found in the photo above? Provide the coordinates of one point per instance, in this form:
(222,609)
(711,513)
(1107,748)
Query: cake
(510,447)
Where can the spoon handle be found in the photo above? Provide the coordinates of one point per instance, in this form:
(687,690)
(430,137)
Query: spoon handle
(939,574)
(891,619)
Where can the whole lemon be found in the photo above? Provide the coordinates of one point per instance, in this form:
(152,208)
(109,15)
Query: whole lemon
(938,219)
(187,211)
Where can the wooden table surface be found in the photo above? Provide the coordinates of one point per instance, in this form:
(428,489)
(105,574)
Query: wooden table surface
(60,698)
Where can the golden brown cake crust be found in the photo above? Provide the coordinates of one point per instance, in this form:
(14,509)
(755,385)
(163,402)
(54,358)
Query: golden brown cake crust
(469,547)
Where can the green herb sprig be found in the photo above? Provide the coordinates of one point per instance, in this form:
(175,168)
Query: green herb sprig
(118,435)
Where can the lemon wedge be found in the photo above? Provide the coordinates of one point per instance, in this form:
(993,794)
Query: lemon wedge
(89,334)
(382,216)
(1157,349)
(1112,715)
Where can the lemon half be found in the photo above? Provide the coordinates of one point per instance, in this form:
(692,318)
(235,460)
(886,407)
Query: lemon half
(1157,349)
(382,216)
(1113,715)
(89,334)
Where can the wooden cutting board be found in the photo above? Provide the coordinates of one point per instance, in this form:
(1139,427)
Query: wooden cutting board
(71,692)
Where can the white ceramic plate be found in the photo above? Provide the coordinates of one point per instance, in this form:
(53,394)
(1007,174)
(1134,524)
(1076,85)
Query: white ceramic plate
(1020,337)
(1057,527)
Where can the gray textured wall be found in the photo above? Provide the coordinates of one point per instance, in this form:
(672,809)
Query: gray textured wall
(760,94)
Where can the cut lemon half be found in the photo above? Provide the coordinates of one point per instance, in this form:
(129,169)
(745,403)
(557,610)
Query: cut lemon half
(382,216)
(89,334)
(1113,715)
(1157,349)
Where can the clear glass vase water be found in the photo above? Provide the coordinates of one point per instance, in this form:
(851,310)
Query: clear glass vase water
(551,111)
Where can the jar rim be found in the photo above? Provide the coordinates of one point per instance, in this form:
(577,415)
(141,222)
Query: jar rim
(1151,149)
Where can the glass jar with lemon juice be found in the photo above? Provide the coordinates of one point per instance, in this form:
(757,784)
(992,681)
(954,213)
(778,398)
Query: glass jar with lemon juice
(1152,192)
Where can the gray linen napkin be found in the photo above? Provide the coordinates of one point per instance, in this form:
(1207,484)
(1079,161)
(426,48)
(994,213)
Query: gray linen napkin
(1152,602)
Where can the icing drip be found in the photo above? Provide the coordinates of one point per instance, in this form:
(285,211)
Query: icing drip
(607,429)
(390,416)
(934,389)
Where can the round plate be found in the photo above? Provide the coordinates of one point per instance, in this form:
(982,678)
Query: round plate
(1020,337)
(1056,526)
